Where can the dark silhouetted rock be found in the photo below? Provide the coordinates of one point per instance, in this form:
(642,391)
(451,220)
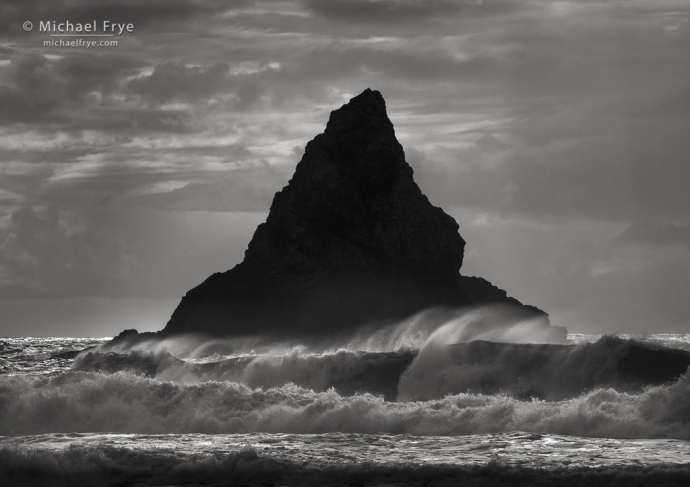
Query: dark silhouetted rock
(71,354)
(126,339)
(481,291)
(350,240)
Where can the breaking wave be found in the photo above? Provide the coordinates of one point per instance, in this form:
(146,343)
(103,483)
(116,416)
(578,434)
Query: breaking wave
(524,371)
(501,323)
(122,402)
(347,371)
(543,371)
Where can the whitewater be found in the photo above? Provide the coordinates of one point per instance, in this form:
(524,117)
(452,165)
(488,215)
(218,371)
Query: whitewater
(412,405)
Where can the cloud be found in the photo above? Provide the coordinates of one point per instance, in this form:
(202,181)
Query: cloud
(99,73)
(377,10)
(247,190)
(399,10)
(605,173)
(219,84)
(43,253)
(117,251)
(581,272)
(488,142)
(37,90)
(30,89)
(176,81)
(657,234)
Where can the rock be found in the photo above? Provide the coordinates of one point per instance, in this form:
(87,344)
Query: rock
(351,240)
(481,291)
(71,354)
(126,339)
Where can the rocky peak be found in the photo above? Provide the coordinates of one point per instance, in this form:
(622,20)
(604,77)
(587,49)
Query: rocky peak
(353,200)
(350,240)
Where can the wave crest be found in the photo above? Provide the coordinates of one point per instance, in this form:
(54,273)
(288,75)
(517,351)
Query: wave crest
(96,402)
(545,371)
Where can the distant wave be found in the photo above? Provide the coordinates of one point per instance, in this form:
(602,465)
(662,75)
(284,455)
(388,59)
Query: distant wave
(123,402)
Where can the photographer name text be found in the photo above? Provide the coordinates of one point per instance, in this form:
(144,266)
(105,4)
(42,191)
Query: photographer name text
(67,27)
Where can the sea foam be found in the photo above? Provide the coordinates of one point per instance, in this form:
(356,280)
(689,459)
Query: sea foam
(122,402)
(522,370)
(106,466)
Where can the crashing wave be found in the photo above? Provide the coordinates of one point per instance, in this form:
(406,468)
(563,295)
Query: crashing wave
(543,371)
(122,402)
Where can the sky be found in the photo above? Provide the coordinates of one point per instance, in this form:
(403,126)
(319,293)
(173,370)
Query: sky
(557,134)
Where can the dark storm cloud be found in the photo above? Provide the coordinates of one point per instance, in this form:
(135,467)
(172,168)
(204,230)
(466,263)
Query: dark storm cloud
(593,133)
(31,89)
(97,73)
(76,93)
(223,179)
(35,89)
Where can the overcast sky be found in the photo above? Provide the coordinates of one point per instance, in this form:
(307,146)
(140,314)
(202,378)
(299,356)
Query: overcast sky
(557,133)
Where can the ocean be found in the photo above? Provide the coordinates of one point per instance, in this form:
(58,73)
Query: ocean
(594,411)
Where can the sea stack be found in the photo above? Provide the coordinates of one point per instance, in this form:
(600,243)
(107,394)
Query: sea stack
(351,240)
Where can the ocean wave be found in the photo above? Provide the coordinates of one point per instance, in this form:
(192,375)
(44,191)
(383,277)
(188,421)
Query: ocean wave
(494,322)
(545,371)
(104,465)
(502,323)
(347,371)
(121,402)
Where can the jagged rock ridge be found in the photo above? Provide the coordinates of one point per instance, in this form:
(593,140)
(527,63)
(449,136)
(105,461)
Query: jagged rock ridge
(481,291)
(350,240)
